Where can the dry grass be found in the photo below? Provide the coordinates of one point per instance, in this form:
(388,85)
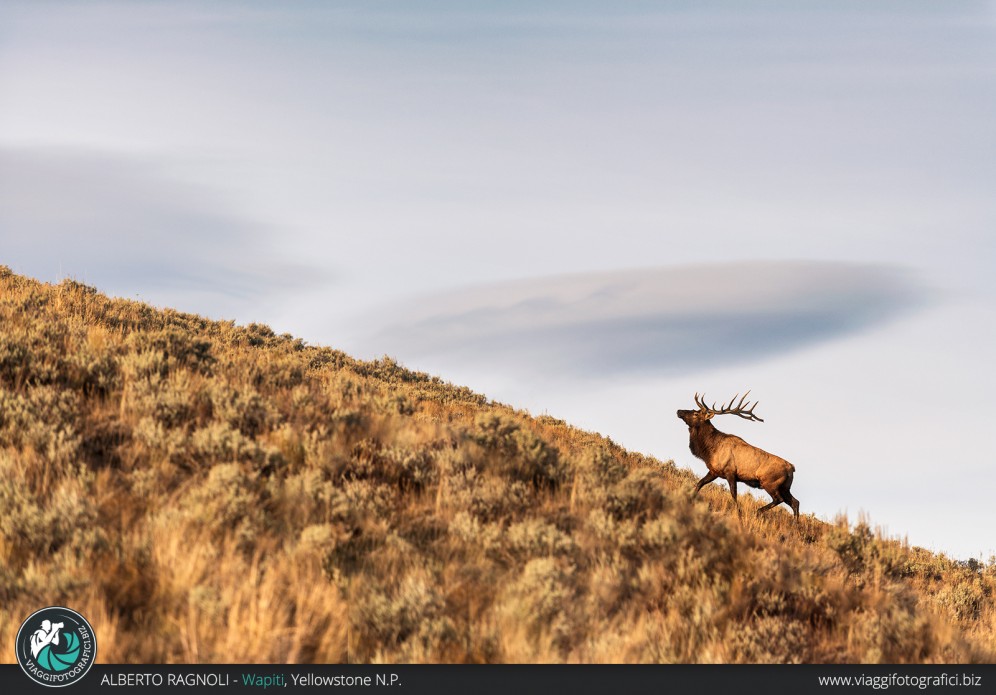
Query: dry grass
(205,492)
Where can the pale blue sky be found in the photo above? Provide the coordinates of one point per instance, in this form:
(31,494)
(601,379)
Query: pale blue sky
(792,197)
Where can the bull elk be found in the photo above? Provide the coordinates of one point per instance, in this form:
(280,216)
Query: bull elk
(731,458)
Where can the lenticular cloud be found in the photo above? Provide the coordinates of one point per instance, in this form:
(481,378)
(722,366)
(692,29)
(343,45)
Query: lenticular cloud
(655,320)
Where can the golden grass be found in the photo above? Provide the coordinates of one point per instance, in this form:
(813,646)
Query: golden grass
(206,492)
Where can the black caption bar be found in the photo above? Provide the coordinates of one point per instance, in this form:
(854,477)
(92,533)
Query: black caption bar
(229,679)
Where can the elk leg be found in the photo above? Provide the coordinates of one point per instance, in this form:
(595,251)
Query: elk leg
(778,495)
(791,500)
(733,491)
(709,477)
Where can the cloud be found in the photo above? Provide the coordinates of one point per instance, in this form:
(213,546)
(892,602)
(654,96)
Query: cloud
(655,320)
(122,224)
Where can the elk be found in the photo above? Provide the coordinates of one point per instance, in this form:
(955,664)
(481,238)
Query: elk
(731,458)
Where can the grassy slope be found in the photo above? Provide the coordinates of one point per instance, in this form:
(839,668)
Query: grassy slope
(208,492)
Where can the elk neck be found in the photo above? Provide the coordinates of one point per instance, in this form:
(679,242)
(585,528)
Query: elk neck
(702,439)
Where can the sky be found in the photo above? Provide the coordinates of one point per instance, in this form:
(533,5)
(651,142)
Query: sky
(576,208)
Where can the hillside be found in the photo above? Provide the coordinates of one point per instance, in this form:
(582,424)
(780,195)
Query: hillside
(206,492)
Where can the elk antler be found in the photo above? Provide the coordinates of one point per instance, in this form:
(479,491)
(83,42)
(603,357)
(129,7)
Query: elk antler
(747,413)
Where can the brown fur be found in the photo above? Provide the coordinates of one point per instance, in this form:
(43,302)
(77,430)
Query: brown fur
(731,458)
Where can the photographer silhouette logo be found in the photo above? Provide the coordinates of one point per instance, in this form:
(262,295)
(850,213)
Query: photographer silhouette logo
(56,646)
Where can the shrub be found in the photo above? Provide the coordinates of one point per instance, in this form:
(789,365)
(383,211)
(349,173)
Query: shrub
(42,522)
(536,537)
(244,410)
(226,504)
(963,600)
(542,599)
(411,611)
(770,640)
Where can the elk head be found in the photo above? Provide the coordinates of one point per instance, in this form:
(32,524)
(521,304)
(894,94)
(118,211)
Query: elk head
(705,412)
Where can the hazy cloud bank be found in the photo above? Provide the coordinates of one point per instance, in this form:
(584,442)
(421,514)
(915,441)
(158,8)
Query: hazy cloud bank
(121,224)
(657,320)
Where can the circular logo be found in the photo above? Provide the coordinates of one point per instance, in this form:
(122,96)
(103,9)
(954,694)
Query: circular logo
(56,646)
